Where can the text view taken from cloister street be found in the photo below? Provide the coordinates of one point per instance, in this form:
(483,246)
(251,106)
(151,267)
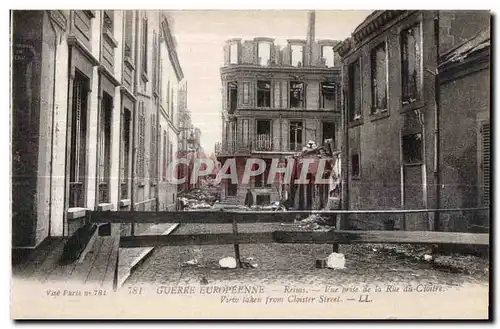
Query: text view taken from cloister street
(252,148)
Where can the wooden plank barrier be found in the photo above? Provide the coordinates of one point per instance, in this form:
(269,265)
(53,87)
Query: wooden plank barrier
(333,236)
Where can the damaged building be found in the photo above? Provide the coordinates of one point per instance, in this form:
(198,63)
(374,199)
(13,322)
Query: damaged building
(276,99)
(417,135)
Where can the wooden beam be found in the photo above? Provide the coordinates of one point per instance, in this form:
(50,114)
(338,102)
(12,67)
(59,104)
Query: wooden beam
(226,217)
(412,237)
(195,239)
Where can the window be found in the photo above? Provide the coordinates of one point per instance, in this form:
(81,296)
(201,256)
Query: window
(263,93)
(144,50)
(129,25)
(328,95)
(412,149)
(354,91)
(355,165)
(264,53)
(328,56)
(246,92)
(125,152)
(296,94)
(233,53)
(328,131)
(172,104)
(379,78)
(232,96)
(262,179)
(164,171)
(295,135)
(411,64)
(141,143)
(78,150)
(263,142)
(107,21)
(297,55)
(104,158)
(153,168)
(156,57)
(170,152)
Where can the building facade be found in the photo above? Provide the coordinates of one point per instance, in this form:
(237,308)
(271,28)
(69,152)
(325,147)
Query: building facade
(275,100)
(414,133)
(90,102)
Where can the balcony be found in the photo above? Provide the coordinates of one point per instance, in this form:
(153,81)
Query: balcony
(263,142)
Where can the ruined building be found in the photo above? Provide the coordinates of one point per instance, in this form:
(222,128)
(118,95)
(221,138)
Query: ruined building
(276,98)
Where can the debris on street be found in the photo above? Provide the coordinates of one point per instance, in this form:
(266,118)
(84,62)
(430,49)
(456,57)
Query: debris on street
(336,261)
(228,262)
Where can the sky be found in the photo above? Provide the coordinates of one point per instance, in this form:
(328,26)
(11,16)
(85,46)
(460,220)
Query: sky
(200,39)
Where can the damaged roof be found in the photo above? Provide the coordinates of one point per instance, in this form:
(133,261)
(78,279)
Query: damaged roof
(480,41)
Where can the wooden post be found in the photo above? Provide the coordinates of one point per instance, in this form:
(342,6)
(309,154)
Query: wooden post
(236,246)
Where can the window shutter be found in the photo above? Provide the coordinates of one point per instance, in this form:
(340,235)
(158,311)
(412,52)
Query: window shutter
(485,128)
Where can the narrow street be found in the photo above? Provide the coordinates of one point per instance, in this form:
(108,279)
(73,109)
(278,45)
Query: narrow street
(291,263)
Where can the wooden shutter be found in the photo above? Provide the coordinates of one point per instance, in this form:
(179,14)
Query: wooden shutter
(485,139)
(284,94)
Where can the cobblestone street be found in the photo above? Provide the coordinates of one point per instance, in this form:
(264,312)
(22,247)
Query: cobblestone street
(287,263)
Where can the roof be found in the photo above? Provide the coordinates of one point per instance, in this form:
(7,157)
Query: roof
(480,41)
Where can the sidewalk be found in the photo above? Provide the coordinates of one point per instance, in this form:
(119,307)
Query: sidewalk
(131,258)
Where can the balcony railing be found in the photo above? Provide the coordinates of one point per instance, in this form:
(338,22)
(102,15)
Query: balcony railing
(263,142)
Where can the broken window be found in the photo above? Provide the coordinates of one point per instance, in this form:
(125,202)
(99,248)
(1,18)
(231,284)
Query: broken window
(125,153)
(263,93)
(328,56)
(104,158)
(78,150)
(297,55)
(295,135)
(246,93)
(296,94)
(354,100)
(411,64)
(264,142)
(355,165)
(264,53)
(233,53)
(412,149)
(232,95)
(328,95)
(328,131)
(379,78)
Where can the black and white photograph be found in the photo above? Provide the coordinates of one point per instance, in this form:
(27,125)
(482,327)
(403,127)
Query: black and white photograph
(250,164)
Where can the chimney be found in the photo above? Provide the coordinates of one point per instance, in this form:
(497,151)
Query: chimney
(311,29)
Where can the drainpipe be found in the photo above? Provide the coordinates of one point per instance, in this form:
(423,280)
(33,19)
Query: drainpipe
(98,135)
(51,165)
(158,131)
(437,176)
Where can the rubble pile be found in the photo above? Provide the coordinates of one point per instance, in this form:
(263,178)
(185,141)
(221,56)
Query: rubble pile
(314,222)
(197,199)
